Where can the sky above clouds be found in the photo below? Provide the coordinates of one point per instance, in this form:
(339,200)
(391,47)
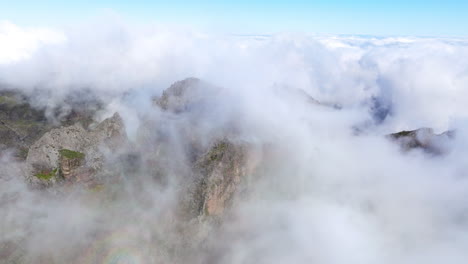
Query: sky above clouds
(422,18)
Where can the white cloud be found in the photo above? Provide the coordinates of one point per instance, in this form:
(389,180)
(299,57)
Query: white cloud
(17,43)
(331,196)
(423,79)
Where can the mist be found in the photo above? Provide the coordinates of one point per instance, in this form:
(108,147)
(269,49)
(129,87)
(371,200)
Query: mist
(310,115)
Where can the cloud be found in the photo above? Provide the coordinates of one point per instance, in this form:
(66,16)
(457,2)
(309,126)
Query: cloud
(420,79)
(17,43)
(325,194)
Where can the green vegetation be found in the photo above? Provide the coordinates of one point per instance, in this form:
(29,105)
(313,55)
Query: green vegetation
(216,153)
(7,100)
(46,175)
(403,133)
(22,153)
(97,188)
(70,154)
(25,123)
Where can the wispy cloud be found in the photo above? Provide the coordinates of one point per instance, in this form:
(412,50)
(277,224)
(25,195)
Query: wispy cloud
(324,192)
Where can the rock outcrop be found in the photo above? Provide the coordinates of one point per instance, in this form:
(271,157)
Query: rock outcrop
(224,168)
(73,153)
(423,138)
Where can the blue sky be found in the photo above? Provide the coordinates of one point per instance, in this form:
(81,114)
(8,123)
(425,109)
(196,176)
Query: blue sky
(398,17)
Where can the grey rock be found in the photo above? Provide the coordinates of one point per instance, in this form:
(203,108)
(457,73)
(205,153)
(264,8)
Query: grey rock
(424,139)
(187,95)
(89,146)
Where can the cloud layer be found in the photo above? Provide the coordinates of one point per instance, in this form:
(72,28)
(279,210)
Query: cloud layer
(327,193)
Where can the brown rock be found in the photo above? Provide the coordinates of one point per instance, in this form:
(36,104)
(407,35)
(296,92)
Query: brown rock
(224,169)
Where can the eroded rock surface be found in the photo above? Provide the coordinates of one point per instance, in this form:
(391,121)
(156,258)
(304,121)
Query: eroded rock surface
(224,170)
(73,152)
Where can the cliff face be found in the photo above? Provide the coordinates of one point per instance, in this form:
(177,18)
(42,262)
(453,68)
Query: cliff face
(225,170)
(222,169)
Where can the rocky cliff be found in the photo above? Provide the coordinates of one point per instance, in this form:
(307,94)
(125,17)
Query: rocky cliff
(72,153)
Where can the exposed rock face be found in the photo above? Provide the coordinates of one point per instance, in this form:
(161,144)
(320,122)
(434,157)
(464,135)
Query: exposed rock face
(73,151)
(46,149)
(223,168)
(69,164)
(423,138)
(223,172)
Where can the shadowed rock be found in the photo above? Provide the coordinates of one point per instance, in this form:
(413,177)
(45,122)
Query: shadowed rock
(224,171)
(423,138)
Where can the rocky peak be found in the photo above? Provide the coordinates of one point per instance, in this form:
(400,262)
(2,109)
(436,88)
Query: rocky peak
(111,131)
(185,95)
